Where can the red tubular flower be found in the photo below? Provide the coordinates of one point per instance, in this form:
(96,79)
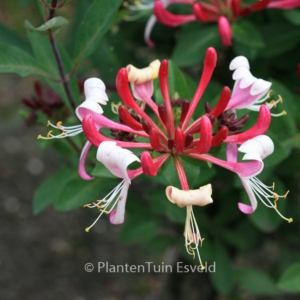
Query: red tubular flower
(260,127)
(225,12)
(167,137)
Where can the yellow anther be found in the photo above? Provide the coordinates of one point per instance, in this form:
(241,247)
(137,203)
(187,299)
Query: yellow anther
(274,103)
(58,124)
(202,267)
(285,195)
(115,107)
(290,220)
(102,200)
(48,123)
(87,229)
(104,211)
(273,186)
(48,134)
(39,137)
(201,241)
(63,132)
(276,199)
(280,99)
(86,205)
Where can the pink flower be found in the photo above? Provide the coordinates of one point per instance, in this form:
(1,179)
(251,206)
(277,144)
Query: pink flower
(169,138)
(116,160)
(224,12)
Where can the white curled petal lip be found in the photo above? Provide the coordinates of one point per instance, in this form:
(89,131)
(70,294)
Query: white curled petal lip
(104,150)
(260,86)
(88,105)
(239,61)
(241,72)
(91,83)
(247,81)
(257,148)
(116,159)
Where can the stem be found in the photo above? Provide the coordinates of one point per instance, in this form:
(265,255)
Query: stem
(58,58)
(181,173)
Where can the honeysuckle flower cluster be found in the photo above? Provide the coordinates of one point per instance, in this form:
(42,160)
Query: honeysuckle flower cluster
(167,137)
(224,12)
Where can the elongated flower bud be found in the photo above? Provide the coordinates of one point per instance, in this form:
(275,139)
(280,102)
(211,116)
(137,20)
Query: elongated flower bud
(200,197)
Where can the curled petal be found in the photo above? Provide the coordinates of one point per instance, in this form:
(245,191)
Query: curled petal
(139,76)
(239,61)
(151,166)
(87,107)
(116,159)
(169,19)
(81,167)
(199,197)
(261,145)
(94,90)
(247,209)
(260,86)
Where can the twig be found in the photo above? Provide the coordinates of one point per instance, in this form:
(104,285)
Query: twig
(58,58)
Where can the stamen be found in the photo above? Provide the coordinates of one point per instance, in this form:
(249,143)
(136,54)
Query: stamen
(115,107)
(65,131)
(264,192)
(192,235)
(108,200)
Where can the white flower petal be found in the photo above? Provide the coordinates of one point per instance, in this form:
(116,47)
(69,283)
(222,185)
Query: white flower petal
(239,61)
(260,86)
(94,90)
(116,159)
(241,72)
(90,105)
(247,81)
(257,148)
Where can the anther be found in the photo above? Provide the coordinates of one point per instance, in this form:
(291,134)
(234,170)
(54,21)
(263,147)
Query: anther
(58,124)
(48,123)
(49,133)
(285,195)
(280,99)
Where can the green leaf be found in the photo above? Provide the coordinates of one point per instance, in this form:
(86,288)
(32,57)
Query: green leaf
(256,282)
(12,38)
(293,16)
(290,279)
(279,38)
(15,60)
(78,192)
(54,24)
(49,190)
(247,34)
(95,24)
(223,278)
(192,45)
